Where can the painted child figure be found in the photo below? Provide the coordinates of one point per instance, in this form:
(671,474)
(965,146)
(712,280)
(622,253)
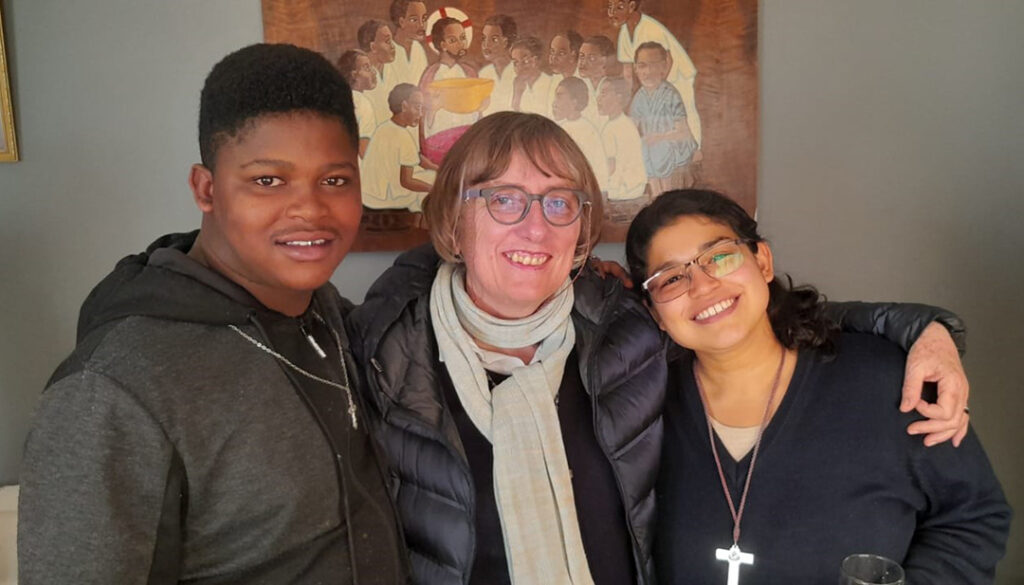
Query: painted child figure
(660,116)
(497,36)
(627,176)
(375,39)
(567,109)
(357,70)
(208,428)
(395,174)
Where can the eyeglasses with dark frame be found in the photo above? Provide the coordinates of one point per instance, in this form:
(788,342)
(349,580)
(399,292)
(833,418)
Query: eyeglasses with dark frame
(721,259)
(509,204)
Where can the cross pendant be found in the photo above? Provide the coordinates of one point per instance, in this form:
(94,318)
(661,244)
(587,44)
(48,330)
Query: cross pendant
(735,557)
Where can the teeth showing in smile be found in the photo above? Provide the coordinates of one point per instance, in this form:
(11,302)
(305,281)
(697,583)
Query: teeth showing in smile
(527,259)
(306,243)
(714,309)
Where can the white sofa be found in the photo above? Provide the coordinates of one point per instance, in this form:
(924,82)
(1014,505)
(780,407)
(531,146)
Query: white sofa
(8,535)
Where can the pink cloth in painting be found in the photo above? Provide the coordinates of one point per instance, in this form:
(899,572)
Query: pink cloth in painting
(438,145)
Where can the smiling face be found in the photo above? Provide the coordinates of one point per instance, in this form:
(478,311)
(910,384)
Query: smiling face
(282,208)
(714,315)
(511,270)
(494,43)
(382,47)
(413,24)
(364,77)
(561,56)
(454,41)
(651,68)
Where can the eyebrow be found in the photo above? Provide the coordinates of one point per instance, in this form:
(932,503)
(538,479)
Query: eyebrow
(700,250)
(290,165)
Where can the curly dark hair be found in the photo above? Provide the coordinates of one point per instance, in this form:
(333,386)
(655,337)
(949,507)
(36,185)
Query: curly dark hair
(797,314)
(269,79)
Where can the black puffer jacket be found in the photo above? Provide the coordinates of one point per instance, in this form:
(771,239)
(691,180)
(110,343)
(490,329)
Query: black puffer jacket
(622,364)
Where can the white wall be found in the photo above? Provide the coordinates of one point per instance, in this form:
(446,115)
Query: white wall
(890,132)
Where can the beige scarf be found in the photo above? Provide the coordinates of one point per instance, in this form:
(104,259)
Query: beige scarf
(532,484)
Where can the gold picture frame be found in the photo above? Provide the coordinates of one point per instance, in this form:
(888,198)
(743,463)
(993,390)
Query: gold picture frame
(8,140)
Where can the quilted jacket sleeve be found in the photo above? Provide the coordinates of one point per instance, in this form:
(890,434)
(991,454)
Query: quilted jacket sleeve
(901,323)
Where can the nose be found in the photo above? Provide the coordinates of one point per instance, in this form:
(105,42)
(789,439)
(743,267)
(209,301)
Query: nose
(701,283)
(534,226)
(308,204)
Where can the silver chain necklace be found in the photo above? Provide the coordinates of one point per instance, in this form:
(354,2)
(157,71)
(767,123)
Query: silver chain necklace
(341,358)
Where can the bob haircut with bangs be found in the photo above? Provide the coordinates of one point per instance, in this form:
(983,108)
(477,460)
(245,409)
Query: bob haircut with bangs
(485,152)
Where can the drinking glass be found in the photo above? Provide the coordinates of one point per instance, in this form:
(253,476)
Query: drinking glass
(870,570)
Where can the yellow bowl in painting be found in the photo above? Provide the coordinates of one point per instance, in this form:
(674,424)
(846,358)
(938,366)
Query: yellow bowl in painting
(462,95)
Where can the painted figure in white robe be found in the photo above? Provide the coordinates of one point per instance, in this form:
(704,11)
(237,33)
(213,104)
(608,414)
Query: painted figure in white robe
(374,37)
(636,28)
(597,60)
(441,128)
(498,34)
(627,177)
(388,171)
(409,18)
(532,87)
(660,116)
(563,57)
(567,109)
(355,67)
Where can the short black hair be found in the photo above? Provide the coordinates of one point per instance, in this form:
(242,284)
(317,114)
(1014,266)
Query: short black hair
(267,79)
(437,31)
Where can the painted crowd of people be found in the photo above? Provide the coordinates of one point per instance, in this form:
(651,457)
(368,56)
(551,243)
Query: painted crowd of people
(628,103)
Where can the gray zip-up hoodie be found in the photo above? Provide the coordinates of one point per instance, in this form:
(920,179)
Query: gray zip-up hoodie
(169,448)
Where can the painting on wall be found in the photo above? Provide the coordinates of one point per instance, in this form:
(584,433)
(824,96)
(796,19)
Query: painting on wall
(8,144)
(658,94)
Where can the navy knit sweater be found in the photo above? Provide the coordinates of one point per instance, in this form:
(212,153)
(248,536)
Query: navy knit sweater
(836,475)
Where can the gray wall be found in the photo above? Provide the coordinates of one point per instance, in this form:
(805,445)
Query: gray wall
(890,133)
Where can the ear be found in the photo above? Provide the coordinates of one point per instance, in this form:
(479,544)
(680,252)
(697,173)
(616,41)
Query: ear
(765,261)
(200,180)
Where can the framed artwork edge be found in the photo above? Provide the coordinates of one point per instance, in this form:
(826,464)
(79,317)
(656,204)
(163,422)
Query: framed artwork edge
(10,152)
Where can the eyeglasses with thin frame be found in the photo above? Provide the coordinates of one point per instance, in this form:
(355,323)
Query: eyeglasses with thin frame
(721,259)
(509,204)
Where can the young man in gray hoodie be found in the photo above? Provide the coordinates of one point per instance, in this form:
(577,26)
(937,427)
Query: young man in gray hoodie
(207,428)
